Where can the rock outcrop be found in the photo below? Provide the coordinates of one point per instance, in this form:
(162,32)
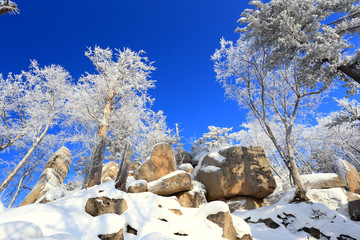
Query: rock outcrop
(236,171)
(109,171)
(53,176)
(169,184)
(161,163)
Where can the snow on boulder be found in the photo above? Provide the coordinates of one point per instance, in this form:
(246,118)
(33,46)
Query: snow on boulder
(109,171)
(350,175)
(52,177)
(321,181)
(161,162)
(235,171)
(169,184)
(19,230)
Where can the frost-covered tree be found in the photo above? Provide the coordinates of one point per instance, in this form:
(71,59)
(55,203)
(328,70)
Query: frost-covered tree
(153,130)
(271,96)
(112,98)
(7,6)
(31,103)
(216,137)
(335,137)
(349,113)
(315,35)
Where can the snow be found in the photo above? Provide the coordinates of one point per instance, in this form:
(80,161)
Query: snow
(291,218)
(152,184)
(314,179)
(210,168)
(214,154)
(217,157)
(149,214)
(333,198)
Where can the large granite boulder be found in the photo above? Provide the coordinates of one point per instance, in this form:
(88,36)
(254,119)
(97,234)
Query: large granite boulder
(174,182)
(52,177)
(236,171)
(109,171)
(161,163)
(350,175)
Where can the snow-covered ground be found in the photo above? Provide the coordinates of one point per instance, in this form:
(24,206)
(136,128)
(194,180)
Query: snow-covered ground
(149,214)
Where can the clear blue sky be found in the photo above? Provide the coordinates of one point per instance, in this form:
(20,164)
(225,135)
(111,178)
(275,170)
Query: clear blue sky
(180,36)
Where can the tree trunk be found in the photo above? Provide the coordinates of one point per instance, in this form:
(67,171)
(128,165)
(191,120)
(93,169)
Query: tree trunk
(27,156)
(98,150)
(124,170)
(17,190)
(301,194)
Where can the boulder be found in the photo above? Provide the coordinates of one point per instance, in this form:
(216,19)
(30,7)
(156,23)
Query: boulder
(193,198)
(52,177)
(174,182)
(353,206)
(187,167)
(236,171)
(161,163)
(102,205)
(244,202)
(137,186)
(350,176)
(321,181)
(109,171)
(224,220)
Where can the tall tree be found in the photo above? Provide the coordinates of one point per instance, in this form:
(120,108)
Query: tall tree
(111,98)
(315,35)
(271,96)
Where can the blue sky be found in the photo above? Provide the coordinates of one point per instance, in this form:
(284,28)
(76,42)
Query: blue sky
(180,36)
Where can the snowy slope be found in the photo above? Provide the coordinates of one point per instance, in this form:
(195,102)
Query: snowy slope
(149,214)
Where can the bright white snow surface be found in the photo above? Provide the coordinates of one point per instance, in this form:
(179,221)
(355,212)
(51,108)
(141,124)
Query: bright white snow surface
(148,213)
(66,219)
